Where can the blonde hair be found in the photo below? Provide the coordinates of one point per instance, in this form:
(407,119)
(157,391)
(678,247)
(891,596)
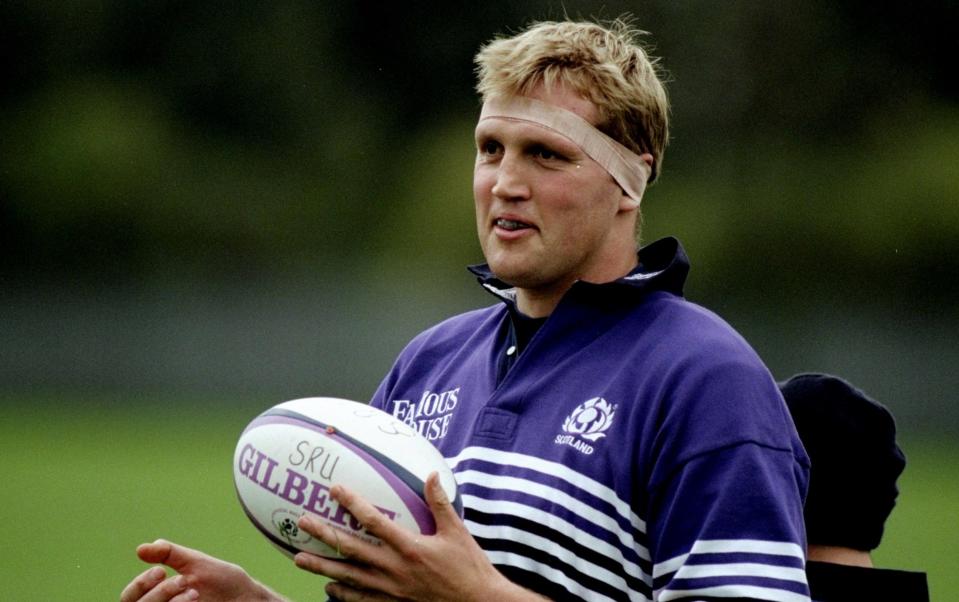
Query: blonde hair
(604,64)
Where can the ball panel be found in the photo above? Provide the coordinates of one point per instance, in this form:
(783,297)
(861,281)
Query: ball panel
(404,484)
(277,488)
(374,427)
(287,459)
(378,430)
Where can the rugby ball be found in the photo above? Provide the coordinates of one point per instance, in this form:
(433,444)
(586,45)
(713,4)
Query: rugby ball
(289,457)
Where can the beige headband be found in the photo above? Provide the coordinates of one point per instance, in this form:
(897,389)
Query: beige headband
(626,167)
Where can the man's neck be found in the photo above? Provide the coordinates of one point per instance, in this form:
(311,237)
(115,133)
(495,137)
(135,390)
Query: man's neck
(536,303)
(541,301)
(839,555)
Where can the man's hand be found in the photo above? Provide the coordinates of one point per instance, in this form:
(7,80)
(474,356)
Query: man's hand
(201,577)
(446,567)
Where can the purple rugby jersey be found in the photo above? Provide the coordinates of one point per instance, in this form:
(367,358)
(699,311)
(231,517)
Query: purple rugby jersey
(637,449)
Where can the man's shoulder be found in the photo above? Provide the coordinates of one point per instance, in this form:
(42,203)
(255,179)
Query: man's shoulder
(467,321)
(689,326)
(703,366)
(455,330)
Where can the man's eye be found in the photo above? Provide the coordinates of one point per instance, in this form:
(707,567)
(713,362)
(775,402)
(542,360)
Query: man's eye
(546,154)
(489,147)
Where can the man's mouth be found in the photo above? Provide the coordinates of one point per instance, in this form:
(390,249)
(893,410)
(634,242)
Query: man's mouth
(510,224)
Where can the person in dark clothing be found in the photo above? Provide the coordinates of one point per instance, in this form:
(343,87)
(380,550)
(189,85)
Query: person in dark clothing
(851,442)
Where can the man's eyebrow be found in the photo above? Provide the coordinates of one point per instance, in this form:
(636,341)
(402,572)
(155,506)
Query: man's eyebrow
(543,136)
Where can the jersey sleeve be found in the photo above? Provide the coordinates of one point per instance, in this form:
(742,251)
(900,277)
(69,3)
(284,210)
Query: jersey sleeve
(728,525)
(727,483)
(379,396)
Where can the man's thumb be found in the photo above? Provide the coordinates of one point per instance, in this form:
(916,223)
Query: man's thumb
(165,552)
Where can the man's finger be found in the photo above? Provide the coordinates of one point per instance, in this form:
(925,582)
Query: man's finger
(351,574)
(190,595)
(165,552)
(146,588)
(443,511)
(345,544)
(374,522)
(143,583)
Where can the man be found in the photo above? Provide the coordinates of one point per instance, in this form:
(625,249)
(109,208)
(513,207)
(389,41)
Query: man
(611,440)
(851,440)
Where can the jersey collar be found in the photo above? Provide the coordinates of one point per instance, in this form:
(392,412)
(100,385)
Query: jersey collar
(663,266)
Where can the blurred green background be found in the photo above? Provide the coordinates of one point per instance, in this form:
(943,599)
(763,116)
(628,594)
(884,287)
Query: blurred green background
(207,208)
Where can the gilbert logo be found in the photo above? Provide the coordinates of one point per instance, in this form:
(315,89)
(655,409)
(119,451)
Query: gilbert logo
(589,422)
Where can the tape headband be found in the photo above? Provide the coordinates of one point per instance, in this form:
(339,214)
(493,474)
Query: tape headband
(625,166)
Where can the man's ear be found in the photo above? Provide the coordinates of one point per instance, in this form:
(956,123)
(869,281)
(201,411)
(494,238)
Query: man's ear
(627,203)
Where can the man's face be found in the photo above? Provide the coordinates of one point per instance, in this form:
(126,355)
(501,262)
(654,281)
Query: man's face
(546,213)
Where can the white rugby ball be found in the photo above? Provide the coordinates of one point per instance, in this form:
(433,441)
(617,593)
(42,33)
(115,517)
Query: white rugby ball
(289,457)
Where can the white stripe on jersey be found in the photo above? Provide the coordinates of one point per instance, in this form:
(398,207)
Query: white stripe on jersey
(556,523)
(682,570)
(555,469)
(556,576)
(610,523)
(734,591)
(568,558)
(562,498)
(730,546)
(746,569)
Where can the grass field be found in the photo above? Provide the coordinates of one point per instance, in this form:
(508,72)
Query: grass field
(84,482)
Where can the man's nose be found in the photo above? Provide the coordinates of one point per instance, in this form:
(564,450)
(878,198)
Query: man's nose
(512,178)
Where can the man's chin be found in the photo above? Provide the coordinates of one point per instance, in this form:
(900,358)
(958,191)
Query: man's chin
(516,275)
(510,275)
(522,270)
